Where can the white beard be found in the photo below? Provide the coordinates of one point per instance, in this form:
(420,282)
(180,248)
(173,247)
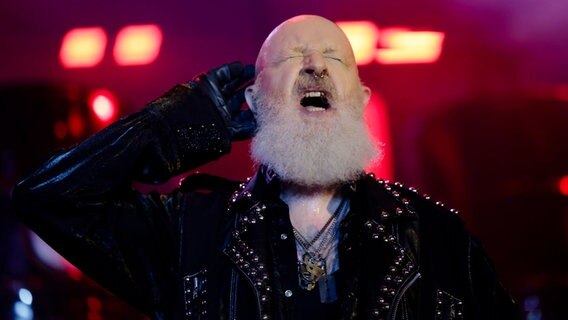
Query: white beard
(308,152)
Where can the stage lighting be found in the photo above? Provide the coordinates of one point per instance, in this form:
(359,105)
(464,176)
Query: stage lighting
(76,124)
(137,45)
(103,106)
(83,47)
(363,36)
(404,46)
(563,185)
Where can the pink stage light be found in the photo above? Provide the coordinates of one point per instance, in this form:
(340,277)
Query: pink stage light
(103,108)
(83,47)
(363,36)
(103,105)
(137,45)
(403,46)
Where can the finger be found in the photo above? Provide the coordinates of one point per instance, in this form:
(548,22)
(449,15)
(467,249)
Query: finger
(221,76)
(245,119)
(238,70)
(247,73)
(236,101)
(228,72)
(245,125)
(235,68)
(247,116)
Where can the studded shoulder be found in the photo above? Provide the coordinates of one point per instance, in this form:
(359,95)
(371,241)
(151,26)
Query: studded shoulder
(399,190)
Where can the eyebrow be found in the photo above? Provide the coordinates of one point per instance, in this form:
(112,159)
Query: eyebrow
(299,49)
(329,50)
(302,49)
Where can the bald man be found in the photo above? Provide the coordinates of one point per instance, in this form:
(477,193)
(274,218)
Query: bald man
(310,236)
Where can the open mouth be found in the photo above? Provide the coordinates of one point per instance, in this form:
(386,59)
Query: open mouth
(315,101)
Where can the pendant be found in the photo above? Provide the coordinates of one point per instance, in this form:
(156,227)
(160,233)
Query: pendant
(311,270)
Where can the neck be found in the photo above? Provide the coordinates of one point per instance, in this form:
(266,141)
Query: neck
(298,190)
(310,208)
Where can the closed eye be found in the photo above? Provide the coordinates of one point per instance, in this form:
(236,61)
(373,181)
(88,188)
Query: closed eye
(286,59)
(293,57)
(334,58)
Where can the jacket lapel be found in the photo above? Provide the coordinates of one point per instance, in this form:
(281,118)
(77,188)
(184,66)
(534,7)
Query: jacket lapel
(377,264)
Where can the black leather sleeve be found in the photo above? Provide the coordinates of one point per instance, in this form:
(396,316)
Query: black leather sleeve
(82,204)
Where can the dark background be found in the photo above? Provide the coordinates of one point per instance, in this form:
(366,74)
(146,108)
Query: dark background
(483,129)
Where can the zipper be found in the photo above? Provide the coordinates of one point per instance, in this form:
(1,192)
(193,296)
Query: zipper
(406,284)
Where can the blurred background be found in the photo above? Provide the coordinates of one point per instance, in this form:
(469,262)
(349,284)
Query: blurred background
(470,101)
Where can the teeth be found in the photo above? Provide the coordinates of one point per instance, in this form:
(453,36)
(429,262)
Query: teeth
(314,109)
(314,94)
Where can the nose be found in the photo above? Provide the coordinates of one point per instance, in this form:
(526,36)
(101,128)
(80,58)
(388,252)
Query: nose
(314,64)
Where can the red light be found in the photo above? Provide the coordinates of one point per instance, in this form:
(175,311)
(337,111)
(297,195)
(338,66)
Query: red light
(83,47)
(103,105)
(76,124)
(563,185)
(363,36)
(377,120)
(137,45)
(403,46)
(72,271)
(94,304)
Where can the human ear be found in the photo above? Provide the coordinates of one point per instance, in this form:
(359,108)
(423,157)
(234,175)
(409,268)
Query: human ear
(366,94)
(249,92)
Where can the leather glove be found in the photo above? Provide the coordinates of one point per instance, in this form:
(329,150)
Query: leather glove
(223,86)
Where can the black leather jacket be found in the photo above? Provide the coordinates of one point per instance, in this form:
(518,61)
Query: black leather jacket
(213,250)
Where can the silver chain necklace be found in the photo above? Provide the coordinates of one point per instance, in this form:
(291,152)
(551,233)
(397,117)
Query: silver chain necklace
(312,268)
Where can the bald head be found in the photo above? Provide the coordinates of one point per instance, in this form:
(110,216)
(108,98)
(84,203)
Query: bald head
(302,34)
(306,54)
(308,101)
